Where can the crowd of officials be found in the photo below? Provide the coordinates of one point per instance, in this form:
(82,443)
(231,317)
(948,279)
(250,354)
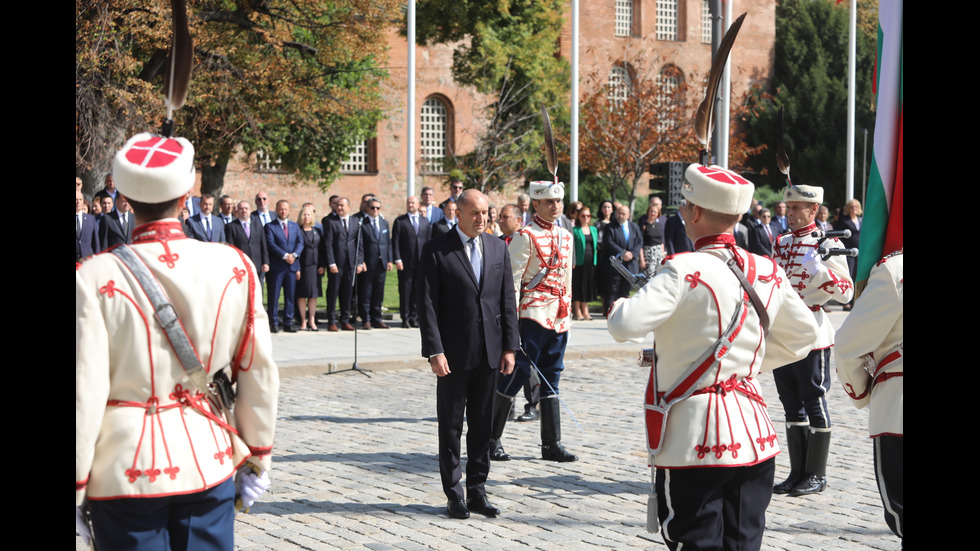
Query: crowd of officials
(355,249)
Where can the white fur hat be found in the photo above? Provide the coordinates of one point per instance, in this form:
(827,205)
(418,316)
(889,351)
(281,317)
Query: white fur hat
(803,194)
(154,169)
(547,190)
(717,189)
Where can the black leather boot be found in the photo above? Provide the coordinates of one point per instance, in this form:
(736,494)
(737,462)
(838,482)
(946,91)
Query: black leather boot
(501,411)
(551,448)
(796,442)
(817,452)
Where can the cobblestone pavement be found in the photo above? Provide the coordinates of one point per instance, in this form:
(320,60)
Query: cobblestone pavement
(356,469)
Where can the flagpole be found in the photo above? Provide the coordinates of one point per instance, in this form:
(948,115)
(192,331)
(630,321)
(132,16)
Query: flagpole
(851,93)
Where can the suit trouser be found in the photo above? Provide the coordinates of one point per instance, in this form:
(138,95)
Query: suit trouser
(802,388)
(469,392)
(546,349)
(285,281)
(407,302)
(715,507)
(199,521)
(340,285)
(371,293)
(889,454)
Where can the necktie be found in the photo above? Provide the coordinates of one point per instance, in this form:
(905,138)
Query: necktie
(344,221)
(415,224)
(248,231)
(377,228)
(78,224)
(475,259)
(207,226)
(626,231)
(285,230)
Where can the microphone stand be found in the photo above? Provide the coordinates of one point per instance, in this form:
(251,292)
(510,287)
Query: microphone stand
(357,262)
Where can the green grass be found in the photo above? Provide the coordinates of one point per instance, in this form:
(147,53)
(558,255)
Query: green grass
(390,301)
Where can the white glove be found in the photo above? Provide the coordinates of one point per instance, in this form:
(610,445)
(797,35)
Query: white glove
(81,527)
(250,486)
(811,261)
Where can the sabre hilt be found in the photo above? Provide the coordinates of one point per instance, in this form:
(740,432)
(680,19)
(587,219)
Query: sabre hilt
(637,281)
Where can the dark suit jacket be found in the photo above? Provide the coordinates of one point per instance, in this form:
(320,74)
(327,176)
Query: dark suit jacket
(441,227)
(254,245)
(759,242)
(87,239)
(255,216)
(376,247)
(675,236)
(279,245)
(613,241)
(453,310)
(339,246)
(112,232)
(406,245)
(196,225)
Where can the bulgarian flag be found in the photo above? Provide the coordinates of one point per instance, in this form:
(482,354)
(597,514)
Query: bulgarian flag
(881,232)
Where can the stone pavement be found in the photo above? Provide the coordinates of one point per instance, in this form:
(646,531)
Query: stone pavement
(356,466)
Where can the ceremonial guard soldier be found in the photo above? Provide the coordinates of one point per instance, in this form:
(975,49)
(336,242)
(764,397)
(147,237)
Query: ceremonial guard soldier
(819,276)
(710,311)
(159,433)
(541,259)
(870,365)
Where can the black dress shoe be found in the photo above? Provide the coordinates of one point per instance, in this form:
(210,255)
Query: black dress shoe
(290,328)
(481,505)
(457,509)
(557,452)
(413,323)
(812,484)
(274,329)
(530,414)
(497,452)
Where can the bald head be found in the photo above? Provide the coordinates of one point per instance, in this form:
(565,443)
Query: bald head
(473,212)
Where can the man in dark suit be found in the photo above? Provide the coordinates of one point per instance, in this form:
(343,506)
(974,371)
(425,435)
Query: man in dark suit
(204,226)
(376,244)
(448,220)
(285,245)
(621,235)
(86,230)
(343,262)
(409,233)
(468,317)
(675,235)
(433,213)
(763,235)
(117,226)
(249,238)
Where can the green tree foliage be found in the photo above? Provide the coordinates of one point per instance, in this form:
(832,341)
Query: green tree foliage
(810,82)
(507,50)
(298,79)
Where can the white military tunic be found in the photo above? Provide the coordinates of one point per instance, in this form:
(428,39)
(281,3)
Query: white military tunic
(688,305)
(531,250)
(874,330)
(830,281)
(141,429)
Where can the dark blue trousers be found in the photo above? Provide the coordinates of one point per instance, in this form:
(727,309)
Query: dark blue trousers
(198,521)
(546,349)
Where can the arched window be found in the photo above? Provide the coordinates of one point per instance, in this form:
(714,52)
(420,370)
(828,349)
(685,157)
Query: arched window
(362,159)
(436,132)
(620,83)
(668,82)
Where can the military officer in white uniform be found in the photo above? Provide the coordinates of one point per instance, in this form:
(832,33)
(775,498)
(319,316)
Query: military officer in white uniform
(803,385)
(156,458)
(541,259)
(870,364)
(709,434)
